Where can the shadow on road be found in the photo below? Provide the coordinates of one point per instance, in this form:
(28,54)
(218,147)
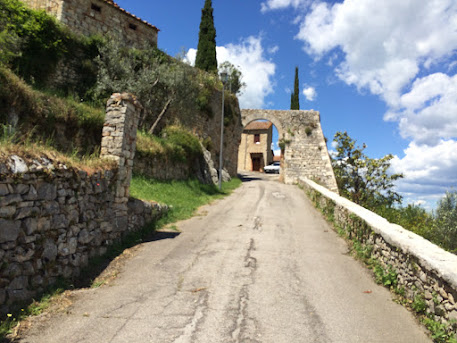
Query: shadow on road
(159,235)
(257,176)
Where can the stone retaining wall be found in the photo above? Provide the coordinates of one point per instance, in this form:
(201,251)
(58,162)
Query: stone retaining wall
(53,218)
(425,274)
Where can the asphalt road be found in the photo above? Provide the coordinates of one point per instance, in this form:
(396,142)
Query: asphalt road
(259,266)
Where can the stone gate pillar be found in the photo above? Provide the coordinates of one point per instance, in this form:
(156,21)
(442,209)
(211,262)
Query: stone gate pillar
(119,143)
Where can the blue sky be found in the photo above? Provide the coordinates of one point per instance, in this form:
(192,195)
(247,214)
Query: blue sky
(384,71)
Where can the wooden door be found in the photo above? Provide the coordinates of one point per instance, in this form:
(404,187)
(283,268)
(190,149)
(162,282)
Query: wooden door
(256,165)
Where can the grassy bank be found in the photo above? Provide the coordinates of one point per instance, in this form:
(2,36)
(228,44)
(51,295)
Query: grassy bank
(184,197)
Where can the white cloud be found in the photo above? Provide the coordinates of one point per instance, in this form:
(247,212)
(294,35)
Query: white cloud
(400,51)
(429,170)
(273,50)
(428,111)
(270,5)
(256,70)
(384,43)
(310,93)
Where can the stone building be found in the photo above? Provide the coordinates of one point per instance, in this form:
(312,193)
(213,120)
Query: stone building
(102,17)
(255,151)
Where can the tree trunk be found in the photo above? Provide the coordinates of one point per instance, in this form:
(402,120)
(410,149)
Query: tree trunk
(165,108)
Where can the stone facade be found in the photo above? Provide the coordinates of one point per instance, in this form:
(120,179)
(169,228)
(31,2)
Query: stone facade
(102,17)
(304,149)
(426,275)
(254,151)
(53,218)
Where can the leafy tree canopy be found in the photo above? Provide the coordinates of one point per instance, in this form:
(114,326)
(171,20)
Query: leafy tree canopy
(365,181)
(446,221)
(235,85)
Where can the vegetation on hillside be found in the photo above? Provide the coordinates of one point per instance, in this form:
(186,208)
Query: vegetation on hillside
(160,82)
(206,50)
(369,183)
(33,43)
(174,142)
(69,116)
(44,117)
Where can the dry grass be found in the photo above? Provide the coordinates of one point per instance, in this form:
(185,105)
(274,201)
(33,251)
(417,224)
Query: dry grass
(35,151)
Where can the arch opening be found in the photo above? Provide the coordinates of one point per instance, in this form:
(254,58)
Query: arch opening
(259,149)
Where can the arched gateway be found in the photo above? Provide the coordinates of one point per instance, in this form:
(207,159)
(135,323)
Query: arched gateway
(304,151)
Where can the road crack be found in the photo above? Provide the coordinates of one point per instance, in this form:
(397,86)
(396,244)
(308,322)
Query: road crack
(190,330)
(245,328)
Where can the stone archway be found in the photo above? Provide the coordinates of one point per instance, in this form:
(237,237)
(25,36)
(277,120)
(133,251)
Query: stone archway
(305,152)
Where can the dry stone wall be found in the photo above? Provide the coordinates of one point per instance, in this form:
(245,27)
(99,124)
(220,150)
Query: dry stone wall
(305,151)
(425,273)
(53,218)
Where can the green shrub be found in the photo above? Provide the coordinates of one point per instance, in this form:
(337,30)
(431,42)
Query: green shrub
(419,305)
(33,43)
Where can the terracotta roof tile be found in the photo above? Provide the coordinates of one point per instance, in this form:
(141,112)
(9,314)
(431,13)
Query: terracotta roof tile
(112,3)
(258,125)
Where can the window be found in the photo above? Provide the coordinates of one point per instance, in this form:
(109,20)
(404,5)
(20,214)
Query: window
(96,8)
(132,26)
(257,138)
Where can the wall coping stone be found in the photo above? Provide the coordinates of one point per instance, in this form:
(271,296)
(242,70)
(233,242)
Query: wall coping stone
(429,255)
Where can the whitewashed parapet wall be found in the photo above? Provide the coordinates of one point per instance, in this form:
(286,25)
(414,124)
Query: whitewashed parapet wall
(424,271)
(53,217)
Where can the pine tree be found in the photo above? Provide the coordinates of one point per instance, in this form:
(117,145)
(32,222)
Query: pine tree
(294,98)
(206,51)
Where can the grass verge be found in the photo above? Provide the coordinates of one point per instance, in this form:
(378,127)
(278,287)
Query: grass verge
(184,197)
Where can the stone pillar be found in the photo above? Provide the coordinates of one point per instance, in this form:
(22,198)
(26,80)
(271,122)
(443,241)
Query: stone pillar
(118,143)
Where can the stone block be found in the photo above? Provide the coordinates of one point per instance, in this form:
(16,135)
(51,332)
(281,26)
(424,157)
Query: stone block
(9,230)
(7,211)
(49,251)
(31,195)
(47,191)
(4,189)
(50,207)
(22,189)
(44,224)
(10,199)
(27,212)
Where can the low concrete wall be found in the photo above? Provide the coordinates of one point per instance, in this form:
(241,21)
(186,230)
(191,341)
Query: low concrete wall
(425,273)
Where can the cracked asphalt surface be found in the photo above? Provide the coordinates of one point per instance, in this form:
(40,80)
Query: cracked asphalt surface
(259,266)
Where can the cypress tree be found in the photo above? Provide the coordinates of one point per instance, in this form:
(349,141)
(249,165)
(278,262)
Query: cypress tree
(294,98)
(206,51)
